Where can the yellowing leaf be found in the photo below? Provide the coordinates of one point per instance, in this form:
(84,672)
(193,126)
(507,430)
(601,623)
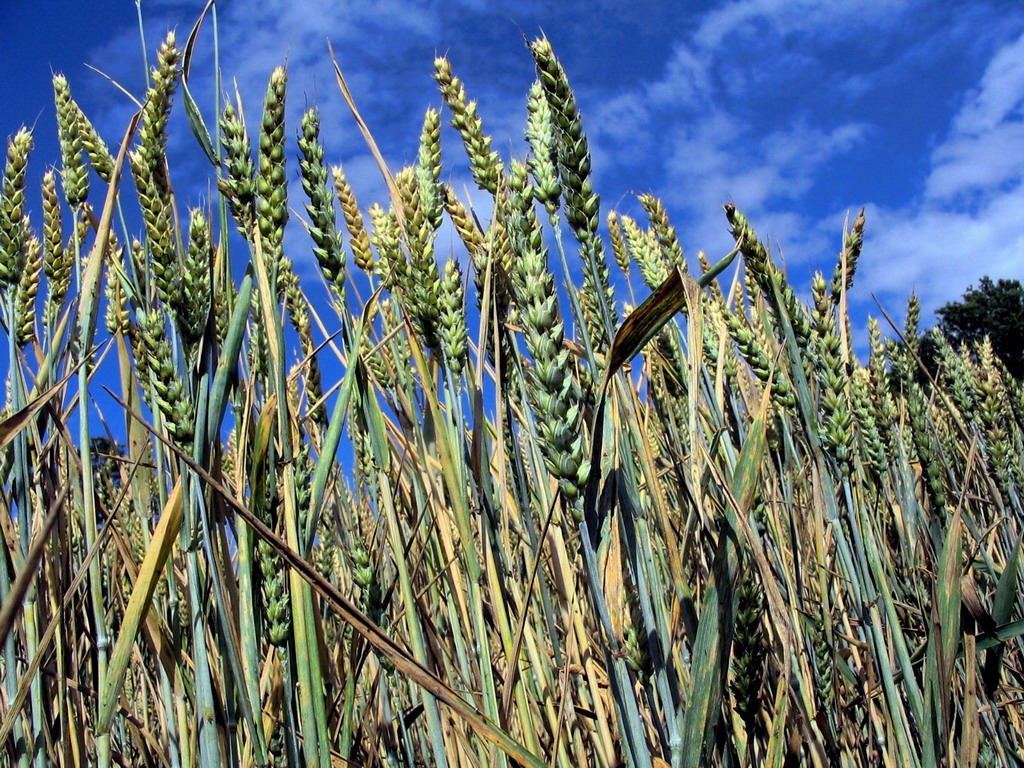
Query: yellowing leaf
(139,604)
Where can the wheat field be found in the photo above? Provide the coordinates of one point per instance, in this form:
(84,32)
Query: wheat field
(510,482)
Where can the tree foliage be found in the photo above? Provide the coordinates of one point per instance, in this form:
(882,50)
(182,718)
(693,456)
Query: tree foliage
(994,309)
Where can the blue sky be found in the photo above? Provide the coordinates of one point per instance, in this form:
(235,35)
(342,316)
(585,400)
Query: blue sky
(800,112)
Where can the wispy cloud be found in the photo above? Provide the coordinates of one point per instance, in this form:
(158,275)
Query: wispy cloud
(985,148)
(969,219)
(798,110)
(727,119)
(792,109)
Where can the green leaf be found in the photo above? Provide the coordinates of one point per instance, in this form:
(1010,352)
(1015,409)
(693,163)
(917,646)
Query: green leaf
(1002,609)
(711,652)
(195,118)
(644,322)
(943,643)
(642,325)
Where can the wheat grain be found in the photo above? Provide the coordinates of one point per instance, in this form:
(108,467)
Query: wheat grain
(74,174)
(360,240)
(484,163)
(271,184)
(554,393)
(12,210)
(322,229)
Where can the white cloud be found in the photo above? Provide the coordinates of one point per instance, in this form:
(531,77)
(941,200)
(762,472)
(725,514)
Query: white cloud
(985,149)
(999,95)
(726,122)
(708,125)
(687,80)
(967,165)
(743,19)
(937,252)
(969,221)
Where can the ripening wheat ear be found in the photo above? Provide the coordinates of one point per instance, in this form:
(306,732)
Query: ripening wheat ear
(753,351)
(57,261)
(873,448)
(74,174)
(155,201)
(322,227)
(167,386)
(156,109)
(299,313)
(274,593)
(664,231)
(53,230)
(12,210)
(749,651)
(471,236)
(846,268)
(993,407)
(428,170)
(619,250)
(28,288)
(836,419)
(359,240)
(779,296)
(238,185)
(956,375)
(420,288)
(554,393)
(645,252)
(543,162)
(391,265)
(95,148)
(192,302)
(271,183)
(484,163)
(452,320)
(581,204)
(149,169)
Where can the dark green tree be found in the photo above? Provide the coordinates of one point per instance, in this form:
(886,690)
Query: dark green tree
(994,309)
